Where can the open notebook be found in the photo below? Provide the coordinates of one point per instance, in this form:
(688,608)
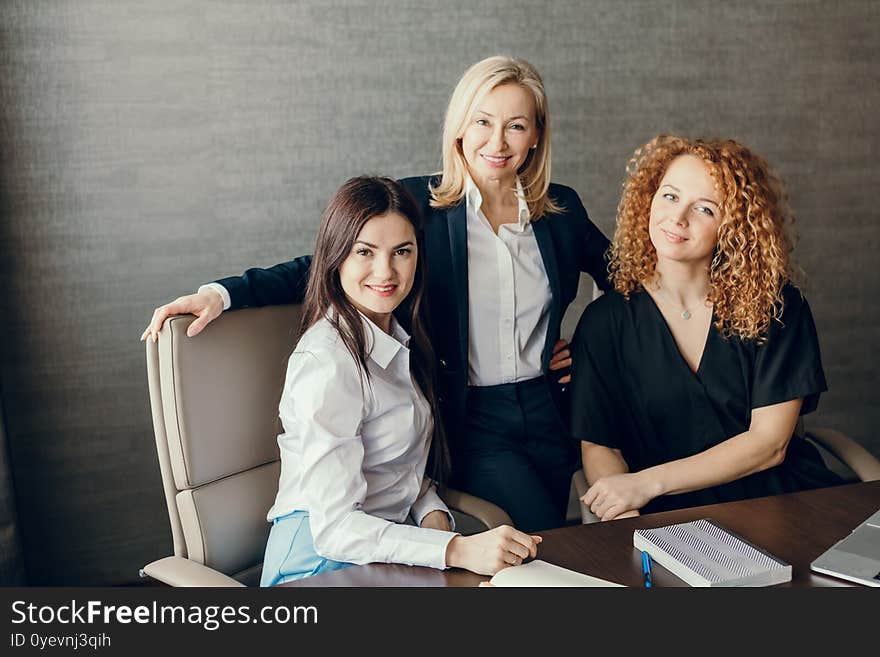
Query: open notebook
(541,573)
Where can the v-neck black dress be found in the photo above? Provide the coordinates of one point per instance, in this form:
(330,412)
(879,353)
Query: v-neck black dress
(632,390)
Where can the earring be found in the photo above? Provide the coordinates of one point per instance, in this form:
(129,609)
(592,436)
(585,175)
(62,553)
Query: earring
(534,146)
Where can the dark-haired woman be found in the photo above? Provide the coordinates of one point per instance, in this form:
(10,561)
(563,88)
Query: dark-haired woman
(358,407)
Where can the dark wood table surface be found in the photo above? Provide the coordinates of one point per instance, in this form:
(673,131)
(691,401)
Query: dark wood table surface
(796,527)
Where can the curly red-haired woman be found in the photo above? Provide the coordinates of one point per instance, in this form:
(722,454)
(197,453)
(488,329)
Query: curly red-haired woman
(689,377)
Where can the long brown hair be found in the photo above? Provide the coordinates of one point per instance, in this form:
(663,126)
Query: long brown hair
(354,204)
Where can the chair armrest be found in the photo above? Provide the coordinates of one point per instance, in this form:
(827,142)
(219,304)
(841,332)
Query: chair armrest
(857,458)
(177,571)
(487,513)
(579,480)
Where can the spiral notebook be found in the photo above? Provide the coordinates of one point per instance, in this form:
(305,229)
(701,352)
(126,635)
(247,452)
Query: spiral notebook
(704,553)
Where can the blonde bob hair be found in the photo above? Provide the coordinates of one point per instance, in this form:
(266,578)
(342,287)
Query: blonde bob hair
(477,81)
(751,263)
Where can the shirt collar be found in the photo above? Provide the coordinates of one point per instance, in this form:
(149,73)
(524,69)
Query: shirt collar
(475,198)
(381,346)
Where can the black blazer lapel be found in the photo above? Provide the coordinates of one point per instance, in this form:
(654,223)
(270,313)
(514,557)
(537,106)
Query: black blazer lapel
(548,255)
(456,219)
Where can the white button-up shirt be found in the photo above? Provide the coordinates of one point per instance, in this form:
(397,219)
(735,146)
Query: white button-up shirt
(355,457)
(508,296)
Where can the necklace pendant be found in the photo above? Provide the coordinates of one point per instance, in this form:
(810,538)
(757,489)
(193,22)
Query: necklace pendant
(685,314)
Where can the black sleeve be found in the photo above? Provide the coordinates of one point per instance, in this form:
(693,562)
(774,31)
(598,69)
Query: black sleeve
(594,411)
(789,365)
(594,245)
(284,283)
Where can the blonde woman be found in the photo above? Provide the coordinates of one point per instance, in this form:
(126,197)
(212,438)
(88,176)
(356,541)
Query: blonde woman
(689,377)
(504,250)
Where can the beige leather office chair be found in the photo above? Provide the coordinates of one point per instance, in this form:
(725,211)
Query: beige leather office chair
(215,415)
(841,453)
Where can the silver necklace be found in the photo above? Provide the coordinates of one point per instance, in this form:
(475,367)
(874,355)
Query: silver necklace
(684,313)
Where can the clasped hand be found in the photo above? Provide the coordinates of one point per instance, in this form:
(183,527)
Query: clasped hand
(618,496)
(490,551)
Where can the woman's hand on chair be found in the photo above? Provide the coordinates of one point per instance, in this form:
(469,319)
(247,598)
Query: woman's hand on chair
(490,551)
(206,305)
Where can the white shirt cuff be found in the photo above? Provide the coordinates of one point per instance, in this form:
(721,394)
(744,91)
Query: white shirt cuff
(219,289)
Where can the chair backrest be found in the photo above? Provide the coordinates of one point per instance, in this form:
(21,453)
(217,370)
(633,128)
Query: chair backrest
(214,400)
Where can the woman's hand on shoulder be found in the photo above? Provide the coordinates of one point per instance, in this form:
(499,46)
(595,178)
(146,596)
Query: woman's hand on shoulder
(618,495)
(206,305)
(490,551)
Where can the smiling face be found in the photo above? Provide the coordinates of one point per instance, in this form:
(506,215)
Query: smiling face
(499,135)
(685,213)
(379,271)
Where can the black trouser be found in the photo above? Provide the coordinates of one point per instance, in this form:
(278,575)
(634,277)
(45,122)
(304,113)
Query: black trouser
(515,452)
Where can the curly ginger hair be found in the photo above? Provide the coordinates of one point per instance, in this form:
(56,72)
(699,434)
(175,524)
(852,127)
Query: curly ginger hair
(752,259)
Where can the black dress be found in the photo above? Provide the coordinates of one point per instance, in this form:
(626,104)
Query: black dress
(633,390)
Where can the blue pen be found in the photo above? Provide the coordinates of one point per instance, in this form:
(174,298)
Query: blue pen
(646,570)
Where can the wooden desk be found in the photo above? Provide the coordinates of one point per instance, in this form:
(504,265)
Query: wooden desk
(796,528)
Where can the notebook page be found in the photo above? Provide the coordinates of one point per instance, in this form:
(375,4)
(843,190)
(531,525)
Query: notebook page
(541,573)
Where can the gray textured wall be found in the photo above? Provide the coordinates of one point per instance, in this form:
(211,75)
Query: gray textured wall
(148,146)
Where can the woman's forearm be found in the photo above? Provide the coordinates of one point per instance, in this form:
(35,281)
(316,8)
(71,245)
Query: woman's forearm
(761,447)
(600,461)
(280,284)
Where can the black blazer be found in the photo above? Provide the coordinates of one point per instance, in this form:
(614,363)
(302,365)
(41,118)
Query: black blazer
(569,243)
